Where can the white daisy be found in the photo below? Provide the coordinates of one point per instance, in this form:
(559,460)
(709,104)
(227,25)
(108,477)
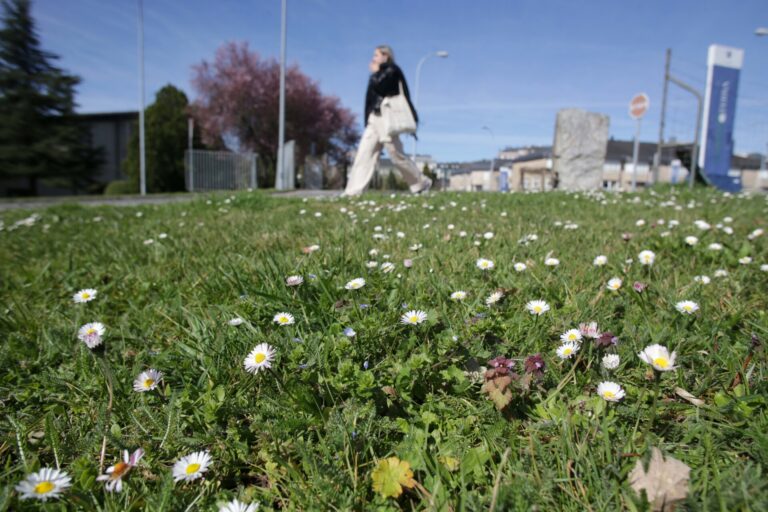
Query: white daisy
(687,307)
(600,260)
(192,466)
(764,267)
(494,298)
(91,334)
(114,475)
(567,349)
(611,361)
(488,235)
(260,357)
(234,322)
(571,335)
(721,272)
(46,483)
(610,391)
(413,317)
(371,264)
(85,295)
(459,295)
(659,357)
(551,262)
(746,260)
(355,284)
(283,319)
(715,247)
(756,233)
(520,267)
(646,257)
(387,267)
(147,380)
(294,280)
(702,279)
(537,307)
(238,506)
(484,264)
(614,284)
(691,240)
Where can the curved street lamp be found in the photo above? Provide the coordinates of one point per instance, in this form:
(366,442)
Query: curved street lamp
(440,53)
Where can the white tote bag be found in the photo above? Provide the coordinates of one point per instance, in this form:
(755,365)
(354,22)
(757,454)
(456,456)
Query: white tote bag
(397,115)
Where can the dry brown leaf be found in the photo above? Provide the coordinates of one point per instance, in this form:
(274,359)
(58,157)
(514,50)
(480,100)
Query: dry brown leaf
(665,482)
(687,396)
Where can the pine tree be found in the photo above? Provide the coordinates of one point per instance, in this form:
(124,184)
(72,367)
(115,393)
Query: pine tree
(40,136)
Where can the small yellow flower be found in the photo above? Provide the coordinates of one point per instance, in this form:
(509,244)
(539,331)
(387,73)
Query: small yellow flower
(391,475)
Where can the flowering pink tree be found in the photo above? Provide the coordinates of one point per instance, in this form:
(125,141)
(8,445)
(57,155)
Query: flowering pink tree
(238,102)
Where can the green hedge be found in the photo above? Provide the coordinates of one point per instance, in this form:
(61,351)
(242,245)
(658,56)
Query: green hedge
(120,187)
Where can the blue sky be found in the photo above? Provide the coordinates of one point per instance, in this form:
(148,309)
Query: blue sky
(512,64)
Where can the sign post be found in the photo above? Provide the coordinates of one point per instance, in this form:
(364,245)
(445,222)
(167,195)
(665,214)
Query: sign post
(637,109)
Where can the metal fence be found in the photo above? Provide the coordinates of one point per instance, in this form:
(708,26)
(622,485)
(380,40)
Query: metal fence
(219,170)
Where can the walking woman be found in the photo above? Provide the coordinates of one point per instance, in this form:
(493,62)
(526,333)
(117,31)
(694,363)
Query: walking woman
(385,81)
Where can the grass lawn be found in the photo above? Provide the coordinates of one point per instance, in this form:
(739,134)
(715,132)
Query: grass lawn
(350,408)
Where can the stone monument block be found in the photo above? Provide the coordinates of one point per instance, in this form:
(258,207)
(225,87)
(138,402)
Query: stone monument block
(578,154)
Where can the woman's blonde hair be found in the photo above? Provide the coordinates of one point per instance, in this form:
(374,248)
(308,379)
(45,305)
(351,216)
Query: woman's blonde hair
(386,50)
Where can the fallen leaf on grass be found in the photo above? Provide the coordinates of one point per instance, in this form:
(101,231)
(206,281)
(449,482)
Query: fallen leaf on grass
(665,482)
(391,475)
(687,396)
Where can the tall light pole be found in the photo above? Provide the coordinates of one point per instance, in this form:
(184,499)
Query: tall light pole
(279,184)
(493,156)
(760,32)
(142,154)
(440,53)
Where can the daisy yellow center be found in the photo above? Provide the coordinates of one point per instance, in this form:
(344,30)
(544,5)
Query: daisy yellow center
(192,468)
(86,295)
(567,351)
(259,358)
(414,318)
(91,331)
(572,337)
(148,383)
(687,307)
(44,487)
(661,362)
(283,320)
(537,309)
(609,394)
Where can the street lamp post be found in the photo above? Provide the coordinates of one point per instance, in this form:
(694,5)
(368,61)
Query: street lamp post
(142,149)
(760,32)
(280,183)
(442,54)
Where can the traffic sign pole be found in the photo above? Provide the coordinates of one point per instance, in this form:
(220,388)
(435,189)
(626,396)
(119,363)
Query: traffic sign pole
(638,106)
(634,155)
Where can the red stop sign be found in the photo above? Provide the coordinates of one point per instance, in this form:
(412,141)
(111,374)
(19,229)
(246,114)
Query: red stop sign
(639,105)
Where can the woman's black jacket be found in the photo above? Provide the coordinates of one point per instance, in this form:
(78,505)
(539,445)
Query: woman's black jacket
(384,83)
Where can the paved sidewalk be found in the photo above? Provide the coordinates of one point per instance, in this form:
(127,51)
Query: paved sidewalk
(45,202)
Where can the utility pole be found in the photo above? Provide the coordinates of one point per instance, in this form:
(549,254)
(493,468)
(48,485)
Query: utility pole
(696,134)
(659,148)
